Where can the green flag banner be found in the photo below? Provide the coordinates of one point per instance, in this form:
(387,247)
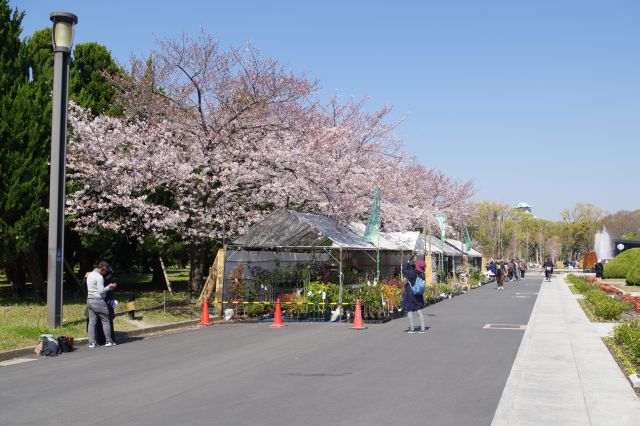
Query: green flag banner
(441,221)
(467,239)
(372,232)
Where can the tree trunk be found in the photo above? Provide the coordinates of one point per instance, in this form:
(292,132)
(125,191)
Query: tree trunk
(160,279)
(85,261)
(81,291)
(31,261)
(198,267)
(15,274)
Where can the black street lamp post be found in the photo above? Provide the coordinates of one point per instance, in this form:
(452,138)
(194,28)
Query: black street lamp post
(63,31)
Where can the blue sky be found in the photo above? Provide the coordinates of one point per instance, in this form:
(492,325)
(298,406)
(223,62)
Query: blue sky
(536,101)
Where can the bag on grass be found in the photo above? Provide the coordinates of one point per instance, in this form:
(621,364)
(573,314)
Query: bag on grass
(418,287)
(49,346)
(65,343)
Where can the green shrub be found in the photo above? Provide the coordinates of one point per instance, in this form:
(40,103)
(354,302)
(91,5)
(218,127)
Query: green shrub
(628,336)
(315,290)
(580,284)
(633,277)
(476,276)
(254,310)
(430,294)
(442,288)
(604,306)
(620,266)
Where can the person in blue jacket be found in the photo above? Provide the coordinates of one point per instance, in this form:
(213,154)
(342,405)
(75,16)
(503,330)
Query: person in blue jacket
(413,302)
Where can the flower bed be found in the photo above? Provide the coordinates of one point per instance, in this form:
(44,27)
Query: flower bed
(600,299)
(629,298)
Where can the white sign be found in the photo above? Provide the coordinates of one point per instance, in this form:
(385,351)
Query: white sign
(620,246)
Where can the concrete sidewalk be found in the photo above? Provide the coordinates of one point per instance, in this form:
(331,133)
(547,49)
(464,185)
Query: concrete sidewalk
(563,373)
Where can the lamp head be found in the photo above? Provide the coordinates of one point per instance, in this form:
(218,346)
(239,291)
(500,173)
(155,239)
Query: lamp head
(63,30)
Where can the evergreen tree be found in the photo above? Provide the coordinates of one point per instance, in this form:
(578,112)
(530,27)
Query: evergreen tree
(88,86)
(26,79)
(25,153)
(13,76)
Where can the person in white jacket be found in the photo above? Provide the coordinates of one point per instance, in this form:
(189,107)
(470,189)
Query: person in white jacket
(96,305)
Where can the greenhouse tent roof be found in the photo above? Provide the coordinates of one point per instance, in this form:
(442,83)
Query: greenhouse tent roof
(408,241)
(397,241)
(436,247)
(458,246)
(289,228)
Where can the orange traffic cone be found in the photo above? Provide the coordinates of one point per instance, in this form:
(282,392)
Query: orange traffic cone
(357,318)
(204,318)
(277,316)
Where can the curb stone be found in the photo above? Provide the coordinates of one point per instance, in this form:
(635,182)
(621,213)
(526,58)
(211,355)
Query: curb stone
(125,335)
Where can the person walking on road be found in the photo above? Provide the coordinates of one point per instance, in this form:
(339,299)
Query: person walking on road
(413,302)
(523,268)
(516,269)
(96,304)
(491,268)
(548,269)
(498,271)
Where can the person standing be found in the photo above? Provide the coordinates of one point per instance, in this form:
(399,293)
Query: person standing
(96,304)
(411,302)
(111,303)
(516,269)
(599,268)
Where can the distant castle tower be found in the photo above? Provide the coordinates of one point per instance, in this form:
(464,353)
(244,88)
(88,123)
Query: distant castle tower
(523,207)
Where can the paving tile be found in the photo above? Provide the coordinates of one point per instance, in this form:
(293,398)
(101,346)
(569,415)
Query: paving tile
(563,373)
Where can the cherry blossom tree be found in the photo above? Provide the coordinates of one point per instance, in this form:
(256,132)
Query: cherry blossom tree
(210,141)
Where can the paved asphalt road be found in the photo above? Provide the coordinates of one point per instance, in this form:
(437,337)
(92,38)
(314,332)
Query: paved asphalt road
(313,374)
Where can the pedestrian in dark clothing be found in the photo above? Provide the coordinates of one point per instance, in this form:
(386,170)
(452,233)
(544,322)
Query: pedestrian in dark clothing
(523,268)
(512,270)
(599,267)
(413,302)
(548,269)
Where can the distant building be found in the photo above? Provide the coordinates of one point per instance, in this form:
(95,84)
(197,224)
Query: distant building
(523,207)
(622,245)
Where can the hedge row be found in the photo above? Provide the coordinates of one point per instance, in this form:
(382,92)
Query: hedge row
(627,335)
(623,264)
(581,285)
(604,306)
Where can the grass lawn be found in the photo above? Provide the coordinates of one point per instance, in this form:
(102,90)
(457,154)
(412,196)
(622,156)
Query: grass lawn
(622,285)
(23,321)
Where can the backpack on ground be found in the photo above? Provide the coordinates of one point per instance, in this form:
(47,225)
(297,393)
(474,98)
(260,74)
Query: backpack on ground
(65,343)
(49,346)
(418,286)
